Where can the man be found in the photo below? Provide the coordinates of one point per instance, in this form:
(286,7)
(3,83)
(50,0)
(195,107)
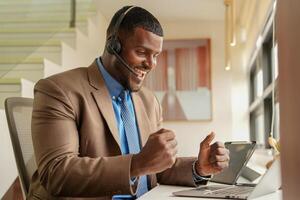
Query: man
(97,132)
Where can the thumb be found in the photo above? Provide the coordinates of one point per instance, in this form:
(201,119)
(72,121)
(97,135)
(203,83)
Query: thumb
(206,142)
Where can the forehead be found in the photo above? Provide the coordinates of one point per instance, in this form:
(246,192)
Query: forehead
(143,38)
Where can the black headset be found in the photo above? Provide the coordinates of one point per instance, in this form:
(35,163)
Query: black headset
(113,45)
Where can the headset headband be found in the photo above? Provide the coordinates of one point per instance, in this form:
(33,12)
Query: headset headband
(120,19)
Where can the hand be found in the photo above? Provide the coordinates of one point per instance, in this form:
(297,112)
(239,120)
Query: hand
(158,154)
(212,159)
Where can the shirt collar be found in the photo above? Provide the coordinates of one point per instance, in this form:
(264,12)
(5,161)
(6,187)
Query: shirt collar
(114,87)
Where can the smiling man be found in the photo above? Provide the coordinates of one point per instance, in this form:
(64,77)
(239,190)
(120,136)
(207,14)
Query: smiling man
(97,131)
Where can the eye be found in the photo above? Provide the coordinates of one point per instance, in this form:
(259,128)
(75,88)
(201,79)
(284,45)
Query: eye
(156,55)
(141,52)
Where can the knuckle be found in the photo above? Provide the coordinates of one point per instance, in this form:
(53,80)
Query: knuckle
(173,160)
(217,158)
(227,152)
(152,135)
(169,154)
(166,155)
(174,144)
(221,165)
(219,144)
(219,151)
(176,150)
(170,163)
(161,140)
(172,134)
(201,144)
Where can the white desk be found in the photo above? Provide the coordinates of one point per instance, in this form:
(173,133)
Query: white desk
(164,192)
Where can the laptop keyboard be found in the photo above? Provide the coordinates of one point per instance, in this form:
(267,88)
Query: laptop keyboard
(230,191)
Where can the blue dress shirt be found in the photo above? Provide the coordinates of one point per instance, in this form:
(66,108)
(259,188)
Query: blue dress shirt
(115,89)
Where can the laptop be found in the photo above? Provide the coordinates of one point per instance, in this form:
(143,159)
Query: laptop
(269,183)
(240,153)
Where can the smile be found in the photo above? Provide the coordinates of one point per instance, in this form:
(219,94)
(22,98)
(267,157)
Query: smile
(140,73)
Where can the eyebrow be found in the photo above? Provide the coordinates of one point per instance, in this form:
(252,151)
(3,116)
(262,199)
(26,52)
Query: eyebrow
(148,49)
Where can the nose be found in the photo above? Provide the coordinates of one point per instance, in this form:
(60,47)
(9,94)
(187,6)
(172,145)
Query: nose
(150,62)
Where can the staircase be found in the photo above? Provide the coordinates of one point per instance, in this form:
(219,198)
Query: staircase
(36,41)
(32,36)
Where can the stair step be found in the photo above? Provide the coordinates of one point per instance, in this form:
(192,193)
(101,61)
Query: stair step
(10,87)
(32,75)
(21,66)
(42,15)
(29,8)
(44,2)
(10,81)
(32,71)
(28,49)
(15,87)
(37,42)
(21,59)
(30,57)
(37,30)
(40,25)
(44,36)
(41,19)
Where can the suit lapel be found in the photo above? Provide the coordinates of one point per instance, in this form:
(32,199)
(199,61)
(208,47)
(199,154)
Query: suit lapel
(104,104)
(141,117)
(103,100)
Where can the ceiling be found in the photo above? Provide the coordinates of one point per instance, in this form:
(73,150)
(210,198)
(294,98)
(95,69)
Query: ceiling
(169,10)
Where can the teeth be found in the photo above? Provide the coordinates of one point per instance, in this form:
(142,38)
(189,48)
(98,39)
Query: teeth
(140,72)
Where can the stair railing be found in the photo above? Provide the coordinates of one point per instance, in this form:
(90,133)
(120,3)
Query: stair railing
(73,14)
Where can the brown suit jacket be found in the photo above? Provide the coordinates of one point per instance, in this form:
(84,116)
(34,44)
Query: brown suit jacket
(76,140)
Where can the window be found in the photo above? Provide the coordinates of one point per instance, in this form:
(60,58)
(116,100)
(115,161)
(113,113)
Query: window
(263,91)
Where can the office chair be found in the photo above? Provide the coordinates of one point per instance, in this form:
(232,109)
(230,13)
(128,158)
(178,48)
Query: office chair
(18,114)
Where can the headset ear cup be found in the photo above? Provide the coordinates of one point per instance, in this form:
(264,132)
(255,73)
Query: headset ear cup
(117,46)
(113,46)
(108,46)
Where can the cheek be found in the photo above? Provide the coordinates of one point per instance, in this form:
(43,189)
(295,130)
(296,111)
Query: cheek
(133,59)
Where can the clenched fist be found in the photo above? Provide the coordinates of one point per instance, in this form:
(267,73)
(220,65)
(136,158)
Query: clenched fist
(158,154)
(212,159)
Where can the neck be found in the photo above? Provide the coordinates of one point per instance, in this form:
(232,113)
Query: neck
(110,65)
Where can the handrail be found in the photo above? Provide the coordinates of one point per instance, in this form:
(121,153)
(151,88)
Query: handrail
(73,14)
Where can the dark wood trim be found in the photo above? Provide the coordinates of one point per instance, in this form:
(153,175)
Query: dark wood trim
(288,32)
(14,192)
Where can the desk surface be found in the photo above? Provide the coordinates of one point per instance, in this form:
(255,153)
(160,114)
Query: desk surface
(164,192)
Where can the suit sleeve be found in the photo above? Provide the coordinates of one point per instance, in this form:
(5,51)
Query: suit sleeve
(180,174)
(62,172)
(158,112)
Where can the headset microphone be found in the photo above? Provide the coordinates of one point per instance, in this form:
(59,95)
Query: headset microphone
(124,63)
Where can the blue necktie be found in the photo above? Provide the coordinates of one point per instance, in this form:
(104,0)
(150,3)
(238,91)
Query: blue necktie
(132,137)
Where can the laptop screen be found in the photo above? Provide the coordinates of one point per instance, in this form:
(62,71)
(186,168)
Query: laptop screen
(240,153)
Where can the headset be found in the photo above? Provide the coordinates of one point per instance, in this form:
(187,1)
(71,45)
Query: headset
(113,45)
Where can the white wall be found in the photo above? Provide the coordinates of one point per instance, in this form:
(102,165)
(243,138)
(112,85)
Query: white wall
(247,30)
(89,44)
(8,168)
(189,134)
(239,96)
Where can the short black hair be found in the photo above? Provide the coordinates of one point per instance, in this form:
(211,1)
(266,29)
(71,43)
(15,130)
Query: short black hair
(137,17)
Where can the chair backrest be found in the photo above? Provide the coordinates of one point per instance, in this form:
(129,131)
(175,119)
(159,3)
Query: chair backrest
(18,114)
